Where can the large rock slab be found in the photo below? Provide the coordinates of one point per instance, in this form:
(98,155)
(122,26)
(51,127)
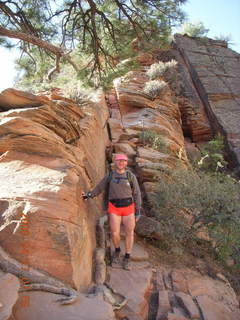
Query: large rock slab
(186,294)
(43,305)
(215,311)
(13,99)
(49,155)
(215,72)
(9,286)
(134,285)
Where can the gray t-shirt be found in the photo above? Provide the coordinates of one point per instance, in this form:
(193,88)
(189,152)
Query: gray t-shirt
(120,188)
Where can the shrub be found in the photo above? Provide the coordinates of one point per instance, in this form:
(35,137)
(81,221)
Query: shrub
(194,29)
(153,140)
(158,69)
(154,87)
(212,156)
(212,200)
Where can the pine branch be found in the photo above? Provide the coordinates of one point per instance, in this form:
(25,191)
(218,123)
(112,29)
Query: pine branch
(38,42)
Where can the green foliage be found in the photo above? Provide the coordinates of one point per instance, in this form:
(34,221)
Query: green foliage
(102,31)
(210,201)
(154,87)
(194,29)
(108,75)
(153,140)
(157,70)
(212,156)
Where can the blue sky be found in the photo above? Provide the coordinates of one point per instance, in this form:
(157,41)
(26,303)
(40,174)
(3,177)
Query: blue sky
(221,17)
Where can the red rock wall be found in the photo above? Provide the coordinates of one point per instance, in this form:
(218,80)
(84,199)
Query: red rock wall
(48,155)
(215,72)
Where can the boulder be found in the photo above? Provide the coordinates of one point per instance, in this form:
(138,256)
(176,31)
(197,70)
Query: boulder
(148,228)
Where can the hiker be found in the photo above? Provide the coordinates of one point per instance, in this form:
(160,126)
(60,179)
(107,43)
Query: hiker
(123,206)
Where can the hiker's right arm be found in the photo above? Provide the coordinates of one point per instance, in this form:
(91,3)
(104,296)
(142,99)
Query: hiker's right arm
(100,187)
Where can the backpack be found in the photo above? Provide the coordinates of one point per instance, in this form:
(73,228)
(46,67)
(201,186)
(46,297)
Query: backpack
(130,180)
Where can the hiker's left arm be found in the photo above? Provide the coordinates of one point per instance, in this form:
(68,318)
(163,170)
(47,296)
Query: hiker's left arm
(100,187)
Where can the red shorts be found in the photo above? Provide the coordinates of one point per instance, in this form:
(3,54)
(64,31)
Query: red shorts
(123,211)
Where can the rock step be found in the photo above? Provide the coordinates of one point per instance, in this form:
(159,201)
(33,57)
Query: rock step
(135,286)
(43,305)
(138,253)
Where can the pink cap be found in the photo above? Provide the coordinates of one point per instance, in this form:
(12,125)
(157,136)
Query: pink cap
(121,156)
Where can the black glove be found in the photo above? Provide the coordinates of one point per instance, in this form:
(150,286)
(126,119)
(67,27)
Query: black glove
(87,195)
(137,214)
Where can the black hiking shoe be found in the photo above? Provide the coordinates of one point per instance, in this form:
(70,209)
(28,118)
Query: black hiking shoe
(127,264)
(116,262)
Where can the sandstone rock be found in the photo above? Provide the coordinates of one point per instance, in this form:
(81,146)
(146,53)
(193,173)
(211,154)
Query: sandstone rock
(159,281)
(135,286)
(43,305)
(115,114)
(163,304)
(9,286)
(215,311)
(49,155)
(148,228)
(150,154)
(217,290)
(129,134)
(125,148)
(138,252)
(172,316)
(145,59)
(149,187)
(13,99)
(153,166)
(215,71)
(195,122)
(179,281)
(116,129)
(215,297)
(188,304)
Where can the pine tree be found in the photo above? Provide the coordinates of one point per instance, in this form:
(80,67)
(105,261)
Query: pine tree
(96,30)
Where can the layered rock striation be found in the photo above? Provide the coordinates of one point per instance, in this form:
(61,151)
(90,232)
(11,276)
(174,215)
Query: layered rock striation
(215,72)
(49,154)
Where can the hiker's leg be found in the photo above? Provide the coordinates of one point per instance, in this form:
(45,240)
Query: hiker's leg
(129,226)
(115,223)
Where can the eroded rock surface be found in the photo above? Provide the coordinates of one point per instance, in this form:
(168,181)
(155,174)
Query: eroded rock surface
(133,114)
(185,294)
(49,155)
(42,305)
(215,71)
